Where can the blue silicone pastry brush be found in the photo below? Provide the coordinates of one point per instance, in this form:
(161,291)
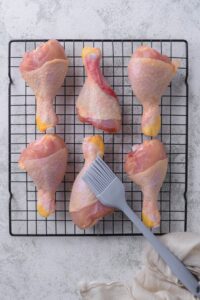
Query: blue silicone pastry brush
(110,191)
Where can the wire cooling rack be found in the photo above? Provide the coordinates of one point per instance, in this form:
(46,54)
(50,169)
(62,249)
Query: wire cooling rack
(116,54)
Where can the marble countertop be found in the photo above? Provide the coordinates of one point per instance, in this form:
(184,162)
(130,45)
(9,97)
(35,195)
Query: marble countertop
(50,268)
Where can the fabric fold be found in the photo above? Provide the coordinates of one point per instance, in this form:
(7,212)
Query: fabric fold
(155,281)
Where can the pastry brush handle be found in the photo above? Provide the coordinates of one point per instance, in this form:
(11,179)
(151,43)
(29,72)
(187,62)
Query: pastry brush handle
(177,267)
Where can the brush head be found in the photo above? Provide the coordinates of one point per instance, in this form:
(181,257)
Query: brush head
(106,186)
(99,176)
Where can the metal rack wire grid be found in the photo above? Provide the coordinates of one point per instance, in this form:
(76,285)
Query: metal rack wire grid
(24,219)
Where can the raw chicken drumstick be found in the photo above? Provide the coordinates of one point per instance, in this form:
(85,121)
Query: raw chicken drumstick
(85,209)
(45,161)
(150,73)
(146,165)
(44,70)
(97,103)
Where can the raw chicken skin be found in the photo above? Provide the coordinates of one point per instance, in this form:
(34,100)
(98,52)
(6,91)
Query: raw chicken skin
(97,103)
(147,165)
(85,209)
(44,70)
(45,161)
(150,73)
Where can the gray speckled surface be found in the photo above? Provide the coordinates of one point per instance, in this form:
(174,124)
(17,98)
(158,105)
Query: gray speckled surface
(50,268)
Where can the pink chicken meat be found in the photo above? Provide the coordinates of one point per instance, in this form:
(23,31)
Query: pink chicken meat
(150,73)
(85,209)
(97,103)
(45,160)
(44,70)
(147,165)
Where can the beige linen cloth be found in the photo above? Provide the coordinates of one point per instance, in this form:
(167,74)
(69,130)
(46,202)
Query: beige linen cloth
(155,281)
